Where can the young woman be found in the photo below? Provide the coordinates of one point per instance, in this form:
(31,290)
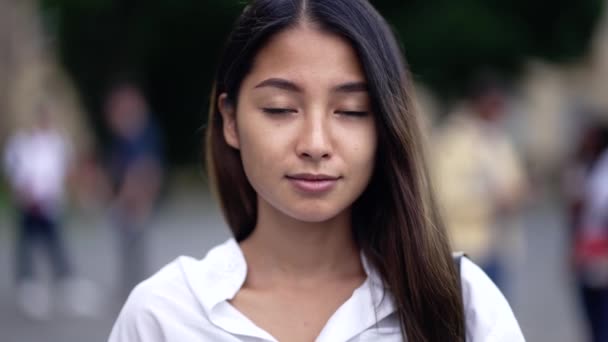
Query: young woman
(314,150)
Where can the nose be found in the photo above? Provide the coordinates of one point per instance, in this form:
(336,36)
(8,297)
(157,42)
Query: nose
(314,142)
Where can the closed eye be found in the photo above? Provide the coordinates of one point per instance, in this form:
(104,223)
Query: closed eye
(279,110)
(352,112)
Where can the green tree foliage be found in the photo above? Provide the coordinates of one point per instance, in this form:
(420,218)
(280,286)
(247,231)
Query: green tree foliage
(171,46)
(447,41)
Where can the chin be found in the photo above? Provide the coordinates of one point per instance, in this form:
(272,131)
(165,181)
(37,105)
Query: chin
(313,214)
(313,218)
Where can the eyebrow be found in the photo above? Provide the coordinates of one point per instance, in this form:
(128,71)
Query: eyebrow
(283,84)
(351,87)
(280,83)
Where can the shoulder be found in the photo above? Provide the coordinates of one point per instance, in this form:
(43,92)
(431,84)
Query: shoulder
(169,283)
(16,140)
(14,149)
(152,305)
(175,301)
(488,314)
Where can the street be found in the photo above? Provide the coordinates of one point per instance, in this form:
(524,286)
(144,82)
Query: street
(189,223)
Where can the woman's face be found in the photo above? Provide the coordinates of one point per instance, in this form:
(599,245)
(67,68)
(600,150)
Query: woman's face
(304,126)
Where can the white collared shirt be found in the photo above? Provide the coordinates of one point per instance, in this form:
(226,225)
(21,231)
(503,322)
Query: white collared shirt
(188,300)
(36,163)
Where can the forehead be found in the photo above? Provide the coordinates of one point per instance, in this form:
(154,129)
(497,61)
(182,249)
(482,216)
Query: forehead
(305,52)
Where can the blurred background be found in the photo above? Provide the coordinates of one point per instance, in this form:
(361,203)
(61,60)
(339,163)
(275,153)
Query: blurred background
(102,112)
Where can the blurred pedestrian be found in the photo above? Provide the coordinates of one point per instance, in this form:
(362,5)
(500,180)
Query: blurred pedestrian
(38,162)
(135,169)
(586,185)
(480,176)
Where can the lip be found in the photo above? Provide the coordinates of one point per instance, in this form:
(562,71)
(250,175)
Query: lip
(313,183)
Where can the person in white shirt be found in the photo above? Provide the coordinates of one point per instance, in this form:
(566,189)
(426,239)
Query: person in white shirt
(36,163)
(314,150)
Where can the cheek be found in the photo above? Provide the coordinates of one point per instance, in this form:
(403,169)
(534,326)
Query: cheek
(362,150)
(261,145)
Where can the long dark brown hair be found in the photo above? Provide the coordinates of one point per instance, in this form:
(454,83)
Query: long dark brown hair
(395,221)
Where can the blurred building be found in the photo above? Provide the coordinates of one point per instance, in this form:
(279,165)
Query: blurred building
(30,73)
(598,66)
(553,98)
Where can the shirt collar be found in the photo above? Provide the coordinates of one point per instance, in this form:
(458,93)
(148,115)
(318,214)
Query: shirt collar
(221,274)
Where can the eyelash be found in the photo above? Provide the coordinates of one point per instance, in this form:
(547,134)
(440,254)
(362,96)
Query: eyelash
(279,111)
(353,113)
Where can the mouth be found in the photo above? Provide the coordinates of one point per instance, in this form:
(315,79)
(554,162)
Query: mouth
(313,183)
(312,177)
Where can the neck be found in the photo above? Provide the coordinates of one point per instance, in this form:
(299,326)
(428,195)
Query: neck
(282,249)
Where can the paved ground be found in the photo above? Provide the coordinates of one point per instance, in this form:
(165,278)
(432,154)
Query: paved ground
(189,223)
